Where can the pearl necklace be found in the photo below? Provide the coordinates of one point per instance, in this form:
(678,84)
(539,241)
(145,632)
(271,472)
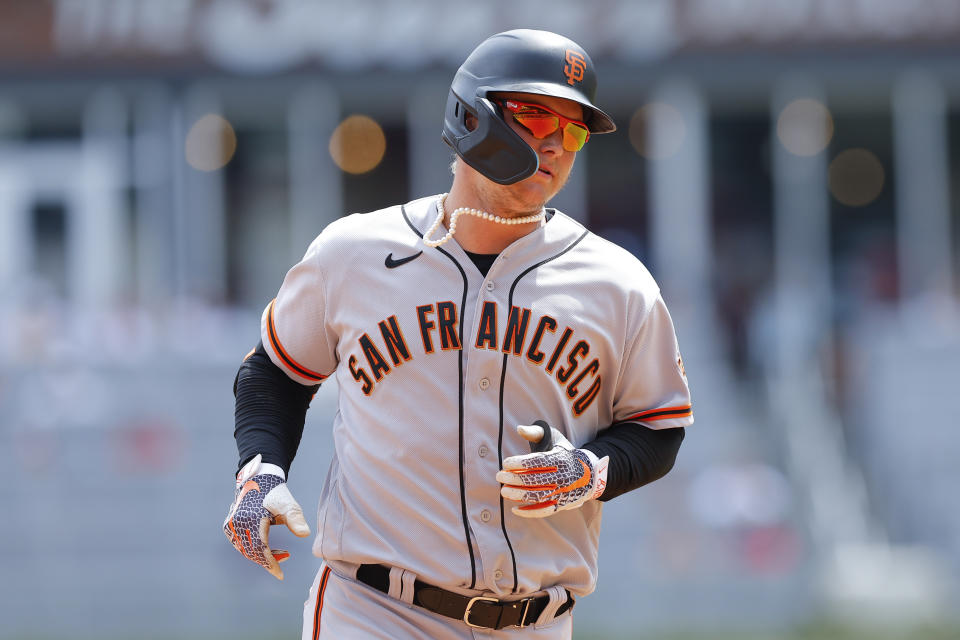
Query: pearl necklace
(472,212)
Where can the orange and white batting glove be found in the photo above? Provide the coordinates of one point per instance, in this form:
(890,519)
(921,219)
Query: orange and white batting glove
(262,499)
(555,477)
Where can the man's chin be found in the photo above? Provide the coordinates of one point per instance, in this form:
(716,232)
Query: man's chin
(535,192)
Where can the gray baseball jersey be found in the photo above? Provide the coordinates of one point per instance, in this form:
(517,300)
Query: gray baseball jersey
(437,364)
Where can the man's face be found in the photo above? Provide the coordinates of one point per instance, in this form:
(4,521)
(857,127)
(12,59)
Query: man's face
(530,194)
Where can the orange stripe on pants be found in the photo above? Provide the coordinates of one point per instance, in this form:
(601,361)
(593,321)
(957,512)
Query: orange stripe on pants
(319,608)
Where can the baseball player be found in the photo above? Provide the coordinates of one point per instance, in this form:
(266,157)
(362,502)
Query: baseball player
(502,372)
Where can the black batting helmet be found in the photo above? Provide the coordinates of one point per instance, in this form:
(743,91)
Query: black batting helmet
(522,60)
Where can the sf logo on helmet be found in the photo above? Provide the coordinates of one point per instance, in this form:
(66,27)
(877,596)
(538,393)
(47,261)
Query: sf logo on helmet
(576,66)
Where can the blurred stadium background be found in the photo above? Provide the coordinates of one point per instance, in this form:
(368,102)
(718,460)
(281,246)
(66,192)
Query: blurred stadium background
(788,169)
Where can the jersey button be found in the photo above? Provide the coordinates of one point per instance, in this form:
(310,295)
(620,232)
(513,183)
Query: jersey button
(484,383)
(497,575)
(485,515)
(490,285)
(483,451)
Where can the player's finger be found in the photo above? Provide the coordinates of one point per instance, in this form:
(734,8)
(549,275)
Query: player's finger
(526,461)
(297,523)
(546,443)
(519,494)
(543,478)
(539,482)
(274,570)
(528,477)
(274,560)
(540,510)
(272,564)
(507,477)
(512,493)
(530,432)
(286,510)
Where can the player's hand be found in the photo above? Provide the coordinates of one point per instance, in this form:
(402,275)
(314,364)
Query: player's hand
(262,499)
(555,477)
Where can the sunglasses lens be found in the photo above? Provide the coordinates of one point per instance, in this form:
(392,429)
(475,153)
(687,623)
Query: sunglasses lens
(574,137)
(540,124)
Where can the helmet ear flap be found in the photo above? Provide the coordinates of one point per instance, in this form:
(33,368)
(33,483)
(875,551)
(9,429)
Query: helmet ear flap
(492,148)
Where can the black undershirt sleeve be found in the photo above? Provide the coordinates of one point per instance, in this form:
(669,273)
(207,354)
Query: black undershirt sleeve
(638,455)
(270,411)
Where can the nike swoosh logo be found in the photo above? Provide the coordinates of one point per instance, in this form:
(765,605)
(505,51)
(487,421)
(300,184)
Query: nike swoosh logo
(391,263)
(582,481)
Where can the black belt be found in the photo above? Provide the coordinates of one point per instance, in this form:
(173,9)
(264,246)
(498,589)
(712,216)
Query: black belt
(477,611)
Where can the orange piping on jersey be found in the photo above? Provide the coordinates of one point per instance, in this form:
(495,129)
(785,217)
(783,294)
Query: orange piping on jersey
(295,366)
(319,608)
(665,413)
(252,351)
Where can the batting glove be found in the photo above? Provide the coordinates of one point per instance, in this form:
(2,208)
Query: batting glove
(262,499)
(555,477)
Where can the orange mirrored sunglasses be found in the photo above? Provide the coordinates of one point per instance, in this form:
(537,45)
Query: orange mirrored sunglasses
(541,122)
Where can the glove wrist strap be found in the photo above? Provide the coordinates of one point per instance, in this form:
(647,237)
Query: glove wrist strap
(600,472)
(256,466)
(272,469)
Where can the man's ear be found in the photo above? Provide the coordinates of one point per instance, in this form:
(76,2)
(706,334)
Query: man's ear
(471,121)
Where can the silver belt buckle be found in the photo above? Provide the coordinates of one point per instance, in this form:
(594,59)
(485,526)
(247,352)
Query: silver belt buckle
(466,614)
